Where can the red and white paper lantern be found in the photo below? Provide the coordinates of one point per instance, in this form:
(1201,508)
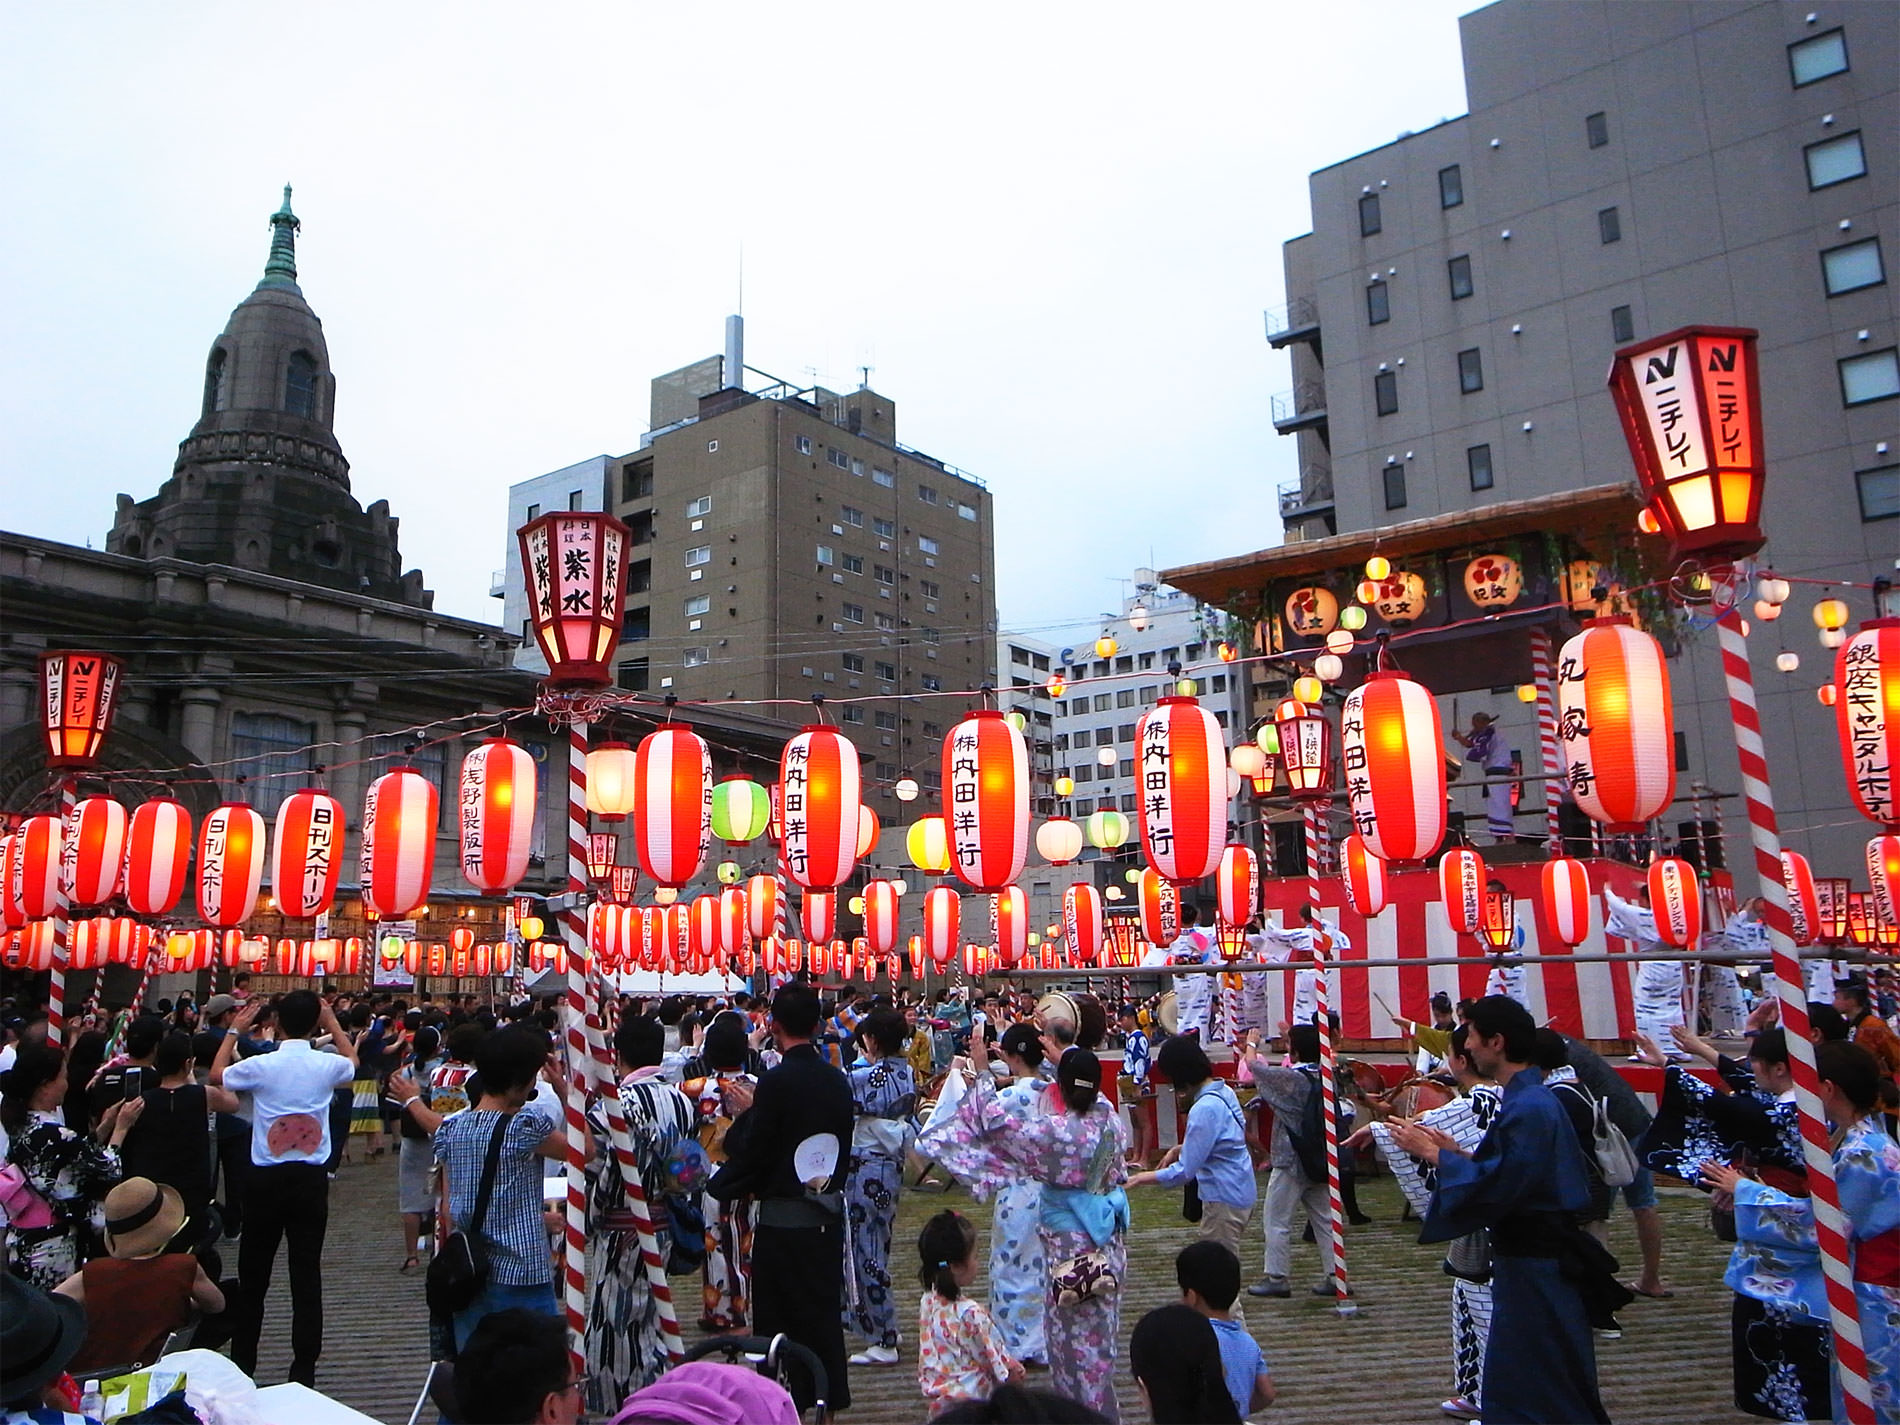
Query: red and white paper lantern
(1181,769)
(1616,724)
(672,817)
(880,916)
(1237,885)
(1883,877)
(496,815)
(157,856)
(1565,886)
(1364,873)
(1461,889)
(307,853)
(1392,755)
(1160,908)
(95,847)
(1082,921)
(399,822)
(36,871)
(986,799)
(230,864)
(762,902)
(733,938)
(702,927)
(1804,902)
(12,915)
(1676,898)
(943,924)
(818,914)
(1009,925)
(1867,713)
(819,774)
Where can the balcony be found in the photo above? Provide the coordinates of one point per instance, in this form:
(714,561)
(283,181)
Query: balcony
(498,584)
(1311,494)
(1298,320)
(1302,408)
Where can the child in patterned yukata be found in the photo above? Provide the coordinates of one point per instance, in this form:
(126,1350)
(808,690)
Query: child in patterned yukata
(960,1353)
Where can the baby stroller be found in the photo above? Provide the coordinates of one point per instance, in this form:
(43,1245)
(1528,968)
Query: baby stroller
(777,1358)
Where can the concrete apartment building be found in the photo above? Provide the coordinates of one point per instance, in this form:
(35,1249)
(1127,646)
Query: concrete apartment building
(787,546)
(1626,167)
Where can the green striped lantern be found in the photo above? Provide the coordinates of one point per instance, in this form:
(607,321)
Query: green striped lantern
(740,810)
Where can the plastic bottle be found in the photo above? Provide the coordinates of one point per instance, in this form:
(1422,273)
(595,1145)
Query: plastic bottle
(92,1401)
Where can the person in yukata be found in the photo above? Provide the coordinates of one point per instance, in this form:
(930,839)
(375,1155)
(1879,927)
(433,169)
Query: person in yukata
(1658,982)
(1193,994)
(884,1094)
(1526,1182)
(1485,745)
(1296,943)
(1018,1276)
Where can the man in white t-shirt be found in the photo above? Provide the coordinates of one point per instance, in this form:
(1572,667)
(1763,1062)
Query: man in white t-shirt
(287,1196)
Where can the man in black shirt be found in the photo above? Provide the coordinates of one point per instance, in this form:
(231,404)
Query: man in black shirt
(141,1043)
(1626,1111)
(787,1148)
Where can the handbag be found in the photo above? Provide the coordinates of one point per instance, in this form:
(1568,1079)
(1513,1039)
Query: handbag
(1617,1163)
(1083,1277)
(21,1206)
(1191,1206)
(459,1271)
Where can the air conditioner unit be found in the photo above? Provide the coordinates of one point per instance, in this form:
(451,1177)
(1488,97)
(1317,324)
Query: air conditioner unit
(837,628)
(837,578)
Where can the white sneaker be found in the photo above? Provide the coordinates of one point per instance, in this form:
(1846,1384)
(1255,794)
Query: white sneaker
(876,1356)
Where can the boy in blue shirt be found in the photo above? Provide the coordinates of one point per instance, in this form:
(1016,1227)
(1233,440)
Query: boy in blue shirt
(1209,1277)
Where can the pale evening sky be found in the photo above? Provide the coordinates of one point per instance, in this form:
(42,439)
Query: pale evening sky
(1049,228)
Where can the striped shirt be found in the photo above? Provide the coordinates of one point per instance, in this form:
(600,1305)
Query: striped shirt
(517,1242)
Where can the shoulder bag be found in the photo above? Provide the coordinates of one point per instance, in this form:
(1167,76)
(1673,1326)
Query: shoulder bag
(459,1271)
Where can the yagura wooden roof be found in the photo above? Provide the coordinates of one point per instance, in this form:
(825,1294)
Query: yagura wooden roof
(1236,581)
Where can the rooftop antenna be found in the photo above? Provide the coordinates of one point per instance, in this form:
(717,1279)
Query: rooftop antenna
(865,372)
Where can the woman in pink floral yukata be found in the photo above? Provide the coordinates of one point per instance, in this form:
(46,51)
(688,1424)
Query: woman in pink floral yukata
(1075,1149)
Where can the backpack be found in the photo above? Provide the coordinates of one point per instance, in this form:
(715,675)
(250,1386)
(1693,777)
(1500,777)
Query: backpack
(1608,1152)
(1309,1137)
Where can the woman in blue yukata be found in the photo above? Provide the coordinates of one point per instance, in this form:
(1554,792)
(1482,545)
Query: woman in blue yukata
(1018,1277)
(1778,1258)
(884,1092)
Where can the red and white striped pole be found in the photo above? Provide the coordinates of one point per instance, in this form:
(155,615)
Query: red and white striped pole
(62,916)
(132,1009)
(1843,1307)
(574,921)
(1328,1081)
(1547,735)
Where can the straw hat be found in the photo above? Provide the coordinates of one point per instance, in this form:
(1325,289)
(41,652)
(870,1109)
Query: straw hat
(39,1333)
(142,1217)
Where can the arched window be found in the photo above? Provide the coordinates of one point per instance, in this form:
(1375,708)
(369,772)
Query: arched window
(214,381)
(300,386)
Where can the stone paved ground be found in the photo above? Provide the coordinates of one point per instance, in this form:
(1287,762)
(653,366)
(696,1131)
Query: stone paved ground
(1386,1365)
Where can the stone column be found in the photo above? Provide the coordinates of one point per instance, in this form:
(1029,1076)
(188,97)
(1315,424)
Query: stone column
(198,720)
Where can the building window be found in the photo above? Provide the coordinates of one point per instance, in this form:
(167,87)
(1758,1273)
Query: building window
(1458,270)
(214,381)
(853,564)
(931,635)
(883,528)
(1609,225)
(1103,702)
(1451,187)
(1125,732)
(1879,492)
(929,588)
(884,478)
(927,494)
(700,554)
(802,443)
(885,720)
(854,613)
(1852,266)
(1596,128)
(966,512)
(1385,392)
(1125,698)
(700,508)
(853,662)
(1470,370)
(1873,377)
(825,554)
(854,517)
(1369,222)
(857,467)
(886,671)
(1835,160)
(1378,303)
(300,386)
(1622,325)
(632,675)
(883,573)
(931,683)
(1817,58)
(1478,462)
(636,481)
(575,499)
(1394,477)
(263,745)
(837,457)
(695,657)
(698,605)
(926,545)
(853,714)
(534,512)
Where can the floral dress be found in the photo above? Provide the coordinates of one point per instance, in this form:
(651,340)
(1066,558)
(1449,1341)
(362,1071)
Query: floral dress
(725,1286)
(960,1355)
(1079,1160)
(1778,1261)
(884,1094)
(73,1172)
(1018,1277)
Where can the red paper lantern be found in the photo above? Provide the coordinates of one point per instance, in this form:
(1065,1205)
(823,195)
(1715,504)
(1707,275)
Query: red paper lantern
(702,926)
(157,856)
(1690,404)
(1304,740)
(36,872)
(732,921)
(95,842)
(86,944)
(78,696)
(1883,877)
(1867,714)
(1237,885)
(1565,887)
(976,961)
(1364,875)
(1009,925)
(1392,751)
(495,815)
(819,771)
(818,914)
(1676,898)
(1160,908)
(880,916)
(230,864)
(1182,806)
(943,924)
(1616,724)
(914,951)
(986,790)
(307,855)
(868,829)
(399,822)
(1461,890)
(1082,921)
(12,914)
(673,927)
(762,900)
(30,948)
(672,821)
(1804,905)
(574,564)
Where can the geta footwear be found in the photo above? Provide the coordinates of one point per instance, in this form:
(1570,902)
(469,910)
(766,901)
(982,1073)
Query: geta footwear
(409,1264)
(876,1356)
(1458,1408)
(1270,1286)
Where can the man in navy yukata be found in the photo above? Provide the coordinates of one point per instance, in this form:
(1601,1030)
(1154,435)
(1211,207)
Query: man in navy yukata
(1526,1183)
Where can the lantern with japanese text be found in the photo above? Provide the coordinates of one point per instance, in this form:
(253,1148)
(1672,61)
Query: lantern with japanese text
(230,864)
(1497,918)
(1305,743)
(818,913)
(1009,925)
(928,842)
(1059,841)
(741,809)
(673,926)
(672,824)
(1106,830)
(1399,598)
(1493,581)
(819,771)
(95,845)
(78,696)
(12,913)
(1363,871)
(1082,921)
(702,926)
(1883,876)
(1311,611)
(1182,804)
(986,789)
(1616,724)
(29,948)
(943,924)
(36,871)
(762,906)
(1237,885)
(1867,713)
(1461,889)
(398,859)
(1690,405)
(880,916)
(622,882)
(1160,908)
(1564,884)
(495,815)
(1804,907)
(157,856)
(307,853)
(574,566)
(1676,898)
(1392,751)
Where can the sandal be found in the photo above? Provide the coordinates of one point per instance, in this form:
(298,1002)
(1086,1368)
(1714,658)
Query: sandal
(409,1264)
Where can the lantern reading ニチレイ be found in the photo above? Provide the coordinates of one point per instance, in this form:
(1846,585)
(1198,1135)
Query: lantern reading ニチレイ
(574,564)
(78,696)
